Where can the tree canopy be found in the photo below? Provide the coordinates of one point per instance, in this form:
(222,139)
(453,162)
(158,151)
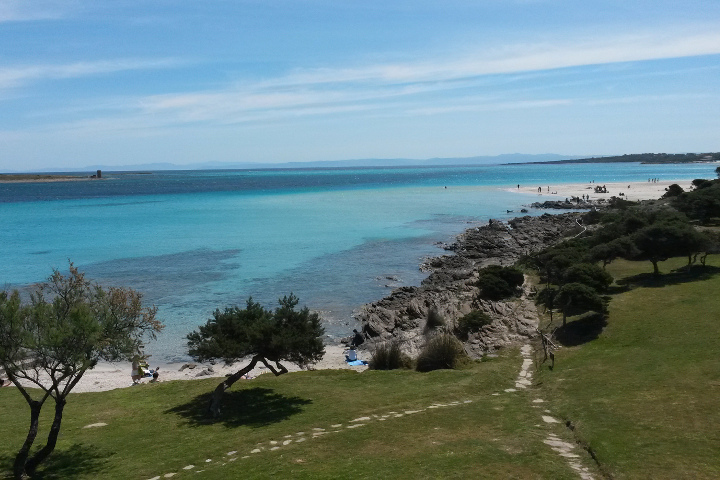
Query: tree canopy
(661,241)
(576,298)
(283,334)
(68,325)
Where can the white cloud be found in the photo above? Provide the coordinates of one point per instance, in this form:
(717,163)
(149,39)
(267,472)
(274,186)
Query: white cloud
(31,10)
(20,75)
(521,58)
(429,87)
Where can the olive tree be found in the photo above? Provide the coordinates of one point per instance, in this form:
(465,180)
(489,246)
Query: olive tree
(266,336)
(49,342)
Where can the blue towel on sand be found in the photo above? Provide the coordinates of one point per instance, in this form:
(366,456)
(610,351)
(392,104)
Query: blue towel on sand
(356,363)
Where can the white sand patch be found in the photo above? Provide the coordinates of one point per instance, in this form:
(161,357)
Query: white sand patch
(109,376)
(631,190)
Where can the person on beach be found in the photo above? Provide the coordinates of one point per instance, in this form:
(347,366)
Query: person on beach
(351,355)
(155,377)
(357,340)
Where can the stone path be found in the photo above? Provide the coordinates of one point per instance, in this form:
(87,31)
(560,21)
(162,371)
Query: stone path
(562,448)
(313,433)
(524,379)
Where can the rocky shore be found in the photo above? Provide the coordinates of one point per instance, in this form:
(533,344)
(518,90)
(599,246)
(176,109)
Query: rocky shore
(450,289)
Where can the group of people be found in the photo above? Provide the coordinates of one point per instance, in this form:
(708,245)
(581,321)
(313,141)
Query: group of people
(141,369)
(653,180)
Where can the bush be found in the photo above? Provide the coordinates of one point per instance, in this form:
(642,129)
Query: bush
(388,356)
(440,352)
(471,323)
(434,320)
(497,283)
(673,191)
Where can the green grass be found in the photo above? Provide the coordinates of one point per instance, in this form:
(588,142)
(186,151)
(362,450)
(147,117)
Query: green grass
(158,429)
(644,395)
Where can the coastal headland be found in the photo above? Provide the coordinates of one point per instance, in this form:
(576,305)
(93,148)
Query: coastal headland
(42,178)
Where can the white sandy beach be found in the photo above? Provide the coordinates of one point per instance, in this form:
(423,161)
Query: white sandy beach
(109,376)
(631,191)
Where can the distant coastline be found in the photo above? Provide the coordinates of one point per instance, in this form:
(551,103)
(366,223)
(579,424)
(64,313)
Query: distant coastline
(41,178)
(646,158)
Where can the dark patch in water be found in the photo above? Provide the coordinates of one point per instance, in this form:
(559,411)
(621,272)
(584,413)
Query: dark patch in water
(162,277)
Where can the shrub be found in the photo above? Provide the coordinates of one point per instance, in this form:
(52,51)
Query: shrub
(471,323)
(434,320)
(388,356)
(441,351)
(494,288)
(498,282)
(673,191)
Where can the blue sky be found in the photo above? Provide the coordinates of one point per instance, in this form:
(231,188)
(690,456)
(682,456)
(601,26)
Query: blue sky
(127,82)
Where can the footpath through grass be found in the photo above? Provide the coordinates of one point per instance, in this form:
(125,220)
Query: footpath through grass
(157,429)
(644,394)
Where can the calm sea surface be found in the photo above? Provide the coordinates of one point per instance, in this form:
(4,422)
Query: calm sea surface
(193,241)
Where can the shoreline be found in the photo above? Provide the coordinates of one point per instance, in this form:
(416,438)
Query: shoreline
(109,376)
(633,191)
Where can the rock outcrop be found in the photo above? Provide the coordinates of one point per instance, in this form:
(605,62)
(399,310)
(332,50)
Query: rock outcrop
(451,289)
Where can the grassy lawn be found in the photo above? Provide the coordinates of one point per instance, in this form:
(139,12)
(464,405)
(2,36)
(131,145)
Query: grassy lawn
(644,394)
(157,429)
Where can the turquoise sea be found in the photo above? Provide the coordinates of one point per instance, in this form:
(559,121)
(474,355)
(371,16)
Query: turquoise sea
(193,241)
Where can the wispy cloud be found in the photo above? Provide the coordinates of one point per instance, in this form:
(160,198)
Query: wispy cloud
(20,75)
(428,87)
(25,10)
(320,90)
(520,58)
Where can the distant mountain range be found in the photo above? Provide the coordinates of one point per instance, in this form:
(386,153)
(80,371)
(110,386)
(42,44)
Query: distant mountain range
(366,162)
(406,162)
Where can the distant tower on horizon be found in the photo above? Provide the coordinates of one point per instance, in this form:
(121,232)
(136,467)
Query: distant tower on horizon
(99,174)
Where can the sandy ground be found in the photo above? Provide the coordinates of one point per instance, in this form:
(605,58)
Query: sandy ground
(631,191)
(109,376)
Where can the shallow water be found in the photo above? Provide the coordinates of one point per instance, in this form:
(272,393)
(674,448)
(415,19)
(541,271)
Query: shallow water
(193,241)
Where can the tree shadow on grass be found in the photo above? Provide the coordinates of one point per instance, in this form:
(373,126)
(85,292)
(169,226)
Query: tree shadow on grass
(253,407)
(79,459)
(681,275)
(582,330)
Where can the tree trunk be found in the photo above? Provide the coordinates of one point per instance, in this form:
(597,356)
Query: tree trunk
(217,396)
(564,318)
(656,270)
(21,457)
(32,464)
